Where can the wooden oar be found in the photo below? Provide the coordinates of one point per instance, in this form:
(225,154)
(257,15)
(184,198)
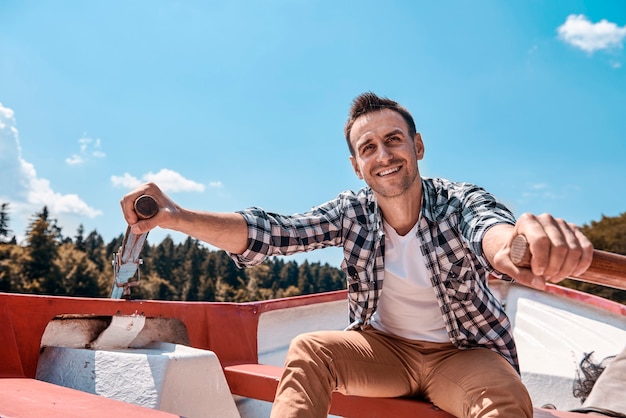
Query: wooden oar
(606,269)
(146,207)
(126,261)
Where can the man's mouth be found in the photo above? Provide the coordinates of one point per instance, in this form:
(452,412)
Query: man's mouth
(388,171)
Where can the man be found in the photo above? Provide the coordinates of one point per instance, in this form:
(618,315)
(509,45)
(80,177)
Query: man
(435,331)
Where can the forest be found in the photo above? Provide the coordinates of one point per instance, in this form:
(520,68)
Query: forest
(48,262)
(51,263)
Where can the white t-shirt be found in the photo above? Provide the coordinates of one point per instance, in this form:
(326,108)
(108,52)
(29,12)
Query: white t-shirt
(408,306)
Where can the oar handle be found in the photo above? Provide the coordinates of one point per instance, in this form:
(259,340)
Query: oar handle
(146,207)
(606,269)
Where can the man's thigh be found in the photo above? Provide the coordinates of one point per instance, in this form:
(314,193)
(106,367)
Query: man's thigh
(364,363)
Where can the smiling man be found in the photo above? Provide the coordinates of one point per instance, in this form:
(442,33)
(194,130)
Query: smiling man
(433,330)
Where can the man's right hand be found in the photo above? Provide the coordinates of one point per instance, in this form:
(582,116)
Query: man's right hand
(168,210)
(227,231)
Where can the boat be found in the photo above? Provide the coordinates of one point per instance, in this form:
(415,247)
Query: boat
(98,357)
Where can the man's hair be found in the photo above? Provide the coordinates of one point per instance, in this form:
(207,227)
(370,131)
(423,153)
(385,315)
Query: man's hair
(369,102)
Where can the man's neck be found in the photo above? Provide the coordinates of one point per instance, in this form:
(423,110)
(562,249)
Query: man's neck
(402,212)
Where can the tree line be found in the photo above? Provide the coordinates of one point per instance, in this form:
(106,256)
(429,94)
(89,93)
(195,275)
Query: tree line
(50,263)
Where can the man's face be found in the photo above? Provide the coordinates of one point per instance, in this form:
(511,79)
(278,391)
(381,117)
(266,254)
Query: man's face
(385,154)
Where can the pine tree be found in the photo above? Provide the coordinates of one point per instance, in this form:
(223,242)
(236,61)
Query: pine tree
(228,273)
(288,275)
(208,280)
(94,246)
(79,275)
(41,273)
(193,272)
(79,239)
(163,258)
(4,223)
(306,282)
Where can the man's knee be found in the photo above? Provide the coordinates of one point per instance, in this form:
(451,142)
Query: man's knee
(307,343)
(479,383)
(504,396)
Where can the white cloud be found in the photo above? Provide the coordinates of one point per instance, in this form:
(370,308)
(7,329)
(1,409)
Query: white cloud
(41,194)
(581,33)
(20,186)
(167,180)
(88,148)
(126,181)
(75,160)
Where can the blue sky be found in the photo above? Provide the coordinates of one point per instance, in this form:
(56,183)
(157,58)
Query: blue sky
(234,104)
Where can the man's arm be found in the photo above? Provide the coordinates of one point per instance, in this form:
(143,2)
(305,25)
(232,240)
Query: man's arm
(227,231)
(558,249)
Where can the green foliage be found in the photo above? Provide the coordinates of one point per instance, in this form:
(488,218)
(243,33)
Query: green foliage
(11,277)
(607,234)
(41,273)
(78,274)
(189,271)
(4,223)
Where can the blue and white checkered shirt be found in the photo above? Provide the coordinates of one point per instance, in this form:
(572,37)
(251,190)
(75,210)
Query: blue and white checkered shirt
(454,219)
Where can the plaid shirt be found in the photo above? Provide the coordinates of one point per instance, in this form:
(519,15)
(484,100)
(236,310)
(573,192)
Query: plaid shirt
(454,219)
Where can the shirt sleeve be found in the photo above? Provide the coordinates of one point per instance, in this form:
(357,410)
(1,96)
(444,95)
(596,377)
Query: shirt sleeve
(271,234)
(481,211)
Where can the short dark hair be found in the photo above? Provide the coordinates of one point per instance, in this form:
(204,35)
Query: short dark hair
(369,102)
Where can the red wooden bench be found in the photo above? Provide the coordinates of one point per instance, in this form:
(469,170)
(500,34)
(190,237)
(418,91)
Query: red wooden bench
(26,398)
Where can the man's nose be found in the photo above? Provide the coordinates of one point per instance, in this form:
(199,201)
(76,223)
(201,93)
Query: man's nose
(384,153)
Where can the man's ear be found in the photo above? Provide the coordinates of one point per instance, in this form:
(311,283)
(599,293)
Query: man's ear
(355,167)
(419,146)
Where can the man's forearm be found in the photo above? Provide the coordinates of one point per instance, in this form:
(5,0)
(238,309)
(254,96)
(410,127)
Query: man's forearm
(495,238)
(227,231)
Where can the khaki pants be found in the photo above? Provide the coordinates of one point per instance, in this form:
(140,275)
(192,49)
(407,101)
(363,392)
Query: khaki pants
(465,383)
